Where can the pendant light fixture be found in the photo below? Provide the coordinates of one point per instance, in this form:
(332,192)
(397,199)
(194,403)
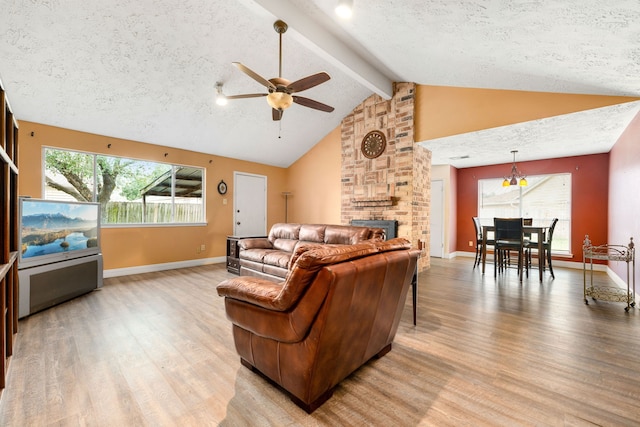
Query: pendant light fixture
(516,178)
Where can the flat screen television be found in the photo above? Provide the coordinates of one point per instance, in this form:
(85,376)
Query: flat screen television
(54,230)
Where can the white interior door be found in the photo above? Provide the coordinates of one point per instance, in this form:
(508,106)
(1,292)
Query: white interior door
(436,245)
(249,204)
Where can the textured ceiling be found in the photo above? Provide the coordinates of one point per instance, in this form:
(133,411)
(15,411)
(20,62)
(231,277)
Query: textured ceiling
(146,70)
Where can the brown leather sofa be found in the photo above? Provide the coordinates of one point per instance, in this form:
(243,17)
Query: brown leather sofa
(268,257)
(339,306)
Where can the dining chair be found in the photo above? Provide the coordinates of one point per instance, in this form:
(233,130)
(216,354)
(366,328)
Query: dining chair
(546,247)
(526,239)
(508,237)
(490,242)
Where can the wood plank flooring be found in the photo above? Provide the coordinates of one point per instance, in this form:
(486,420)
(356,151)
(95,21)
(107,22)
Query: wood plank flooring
(156,350)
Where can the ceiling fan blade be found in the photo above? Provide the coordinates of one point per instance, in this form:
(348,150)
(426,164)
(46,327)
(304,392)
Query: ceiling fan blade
(312,104)
(255,76)
(276,114)
(248,95)
(308,82)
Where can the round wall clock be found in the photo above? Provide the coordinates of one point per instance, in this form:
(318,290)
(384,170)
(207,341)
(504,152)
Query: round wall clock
(222,187)
(373,144)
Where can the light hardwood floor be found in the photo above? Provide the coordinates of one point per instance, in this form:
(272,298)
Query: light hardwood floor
(156,350)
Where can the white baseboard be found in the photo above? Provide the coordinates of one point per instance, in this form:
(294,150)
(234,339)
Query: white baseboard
(115,272)
(556,262)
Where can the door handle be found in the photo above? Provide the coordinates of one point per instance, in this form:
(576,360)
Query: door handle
(238,223)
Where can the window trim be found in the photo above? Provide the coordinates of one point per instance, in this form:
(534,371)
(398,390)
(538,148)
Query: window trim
(568,220)
(103,224)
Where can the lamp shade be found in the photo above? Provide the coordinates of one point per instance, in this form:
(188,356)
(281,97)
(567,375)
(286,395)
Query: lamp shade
(279,100)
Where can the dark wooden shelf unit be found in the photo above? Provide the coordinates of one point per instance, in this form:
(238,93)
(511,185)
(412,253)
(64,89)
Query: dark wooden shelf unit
(9,235)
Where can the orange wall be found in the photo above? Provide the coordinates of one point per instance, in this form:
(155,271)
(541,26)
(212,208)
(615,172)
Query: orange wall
(314,181)
(589,196)
(138,246)
(444,110)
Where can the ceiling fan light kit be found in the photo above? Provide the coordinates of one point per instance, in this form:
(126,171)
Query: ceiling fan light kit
(279,90)
(279,100)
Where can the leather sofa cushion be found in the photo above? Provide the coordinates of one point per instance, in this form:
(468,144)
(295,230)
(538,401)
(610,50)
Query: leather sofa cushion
(277,258)
(258,266)
(256,255)
(345,235)
(255,243)
(286,245)
(312,232)
(284,231)
(275,270)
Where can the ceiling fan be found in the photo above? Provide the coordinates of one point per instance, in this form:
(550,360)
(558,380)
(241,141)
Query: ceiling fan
(280,91)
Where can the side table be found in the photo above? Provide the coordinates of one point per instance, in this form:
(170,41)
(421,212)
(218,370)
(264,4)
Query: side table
(233,262)
(233,252)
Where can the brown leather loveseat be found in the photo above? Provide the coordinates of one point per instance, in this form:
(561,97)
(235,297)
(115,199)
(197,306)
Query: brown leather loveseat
(268,257)
(339,306)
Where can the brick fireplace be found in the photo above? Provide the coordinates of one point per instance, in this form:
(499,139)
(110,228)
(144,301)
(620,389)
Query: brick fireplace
(397,184)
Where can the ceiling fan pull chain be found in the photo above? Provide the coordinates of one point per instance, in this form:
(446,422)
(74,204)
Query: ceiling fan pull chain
(279,129)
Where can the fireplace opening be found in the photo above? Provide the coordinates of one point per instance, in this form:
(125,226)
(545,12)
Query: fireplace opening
(390,227)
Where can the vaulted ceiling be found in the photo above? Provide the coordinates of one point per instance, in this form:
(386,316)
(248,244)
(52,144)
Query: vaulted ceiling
(146,70)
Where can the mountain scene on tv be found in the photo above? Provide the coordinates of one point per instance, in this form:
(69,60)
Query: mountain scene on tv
(45,233)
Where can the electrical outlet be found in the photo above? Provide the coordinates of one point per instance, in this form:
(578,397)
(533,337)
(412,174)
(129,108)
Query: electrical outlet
(471,243)
(202,247)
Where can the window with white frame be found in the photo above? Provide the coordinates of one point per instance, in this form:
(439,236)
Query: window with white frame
(129,191)
(544,198)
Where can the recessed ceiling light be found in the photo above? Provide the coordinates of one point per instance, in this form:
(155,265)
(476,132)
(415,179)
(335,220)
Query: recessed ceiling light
(344,9)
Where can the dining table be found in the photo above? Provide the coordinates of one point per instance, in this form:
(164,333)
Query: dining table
(538,230)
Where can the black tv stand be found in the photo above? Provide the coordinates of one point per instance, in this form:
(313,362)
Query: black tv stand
(46,285)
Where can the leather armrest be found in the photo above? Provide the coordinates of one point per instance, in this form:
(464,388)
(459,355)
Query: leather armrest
(255,243)
(253,290)
(248,306)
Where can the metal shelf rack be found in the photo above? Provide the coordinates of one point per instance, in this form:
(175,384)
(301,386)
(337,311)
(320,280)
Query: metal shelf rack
(610,253)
